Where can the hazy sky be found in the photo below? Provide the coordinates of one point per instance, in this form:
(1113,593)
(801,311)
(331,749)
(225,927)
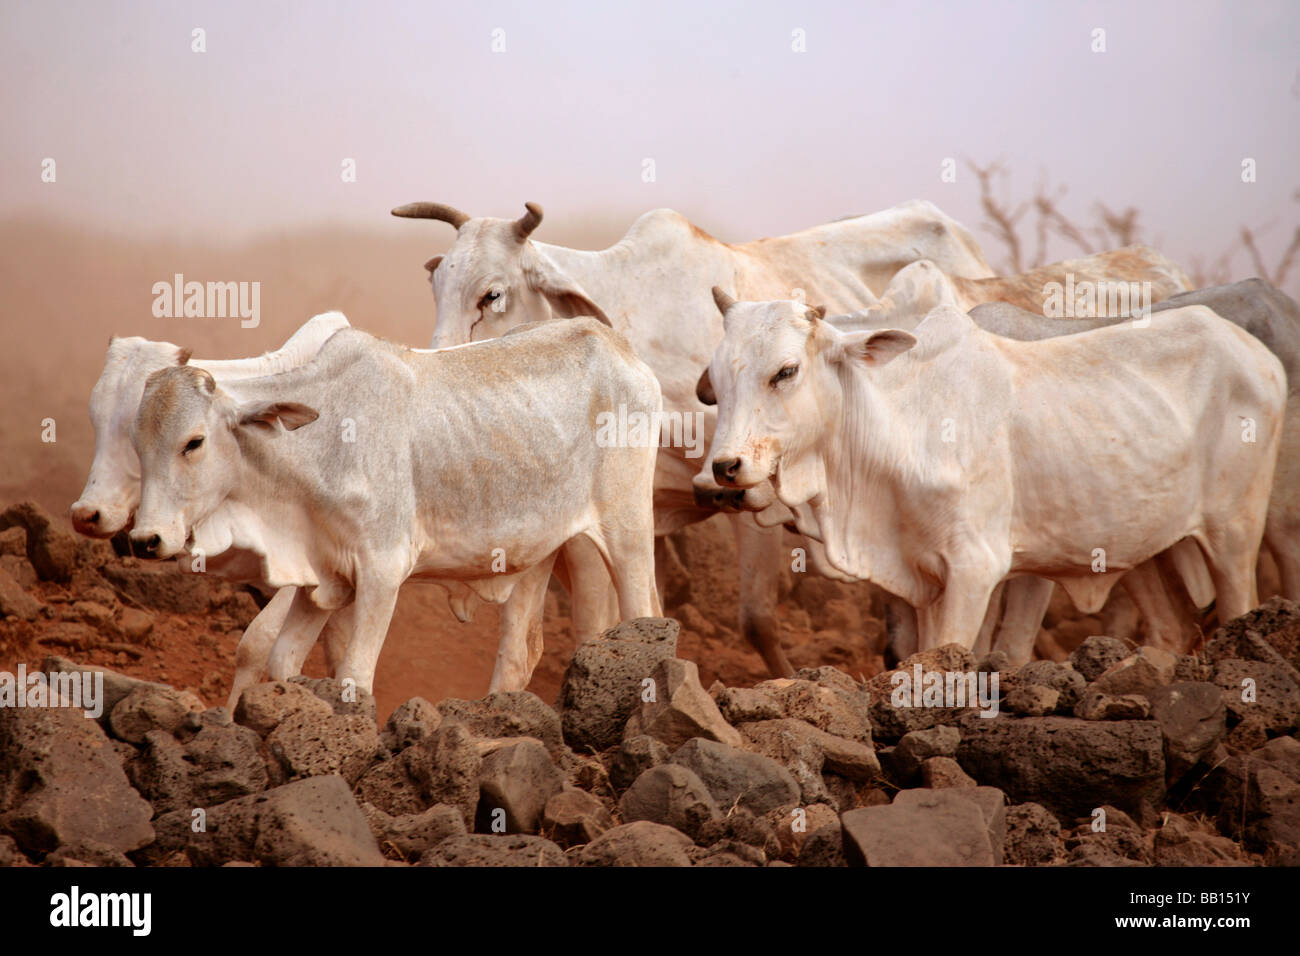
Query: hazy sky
(748,137)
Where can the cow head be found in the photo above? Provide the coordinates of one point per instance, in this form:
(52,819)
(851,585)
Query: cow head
(186,434)
(776,379)
(493,278)
(112,489)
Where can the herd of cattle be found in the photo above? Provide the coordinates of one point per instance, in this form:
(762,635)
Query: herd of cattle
(924,426)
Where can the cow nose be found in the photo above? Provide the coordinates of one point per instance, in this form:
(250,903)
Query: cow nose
(146,547)
(725,471)
(84,517)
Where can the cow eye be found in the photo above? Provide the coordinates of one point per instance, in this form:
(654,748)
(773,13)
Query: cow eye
(785,373)
(488,299)
(192,444)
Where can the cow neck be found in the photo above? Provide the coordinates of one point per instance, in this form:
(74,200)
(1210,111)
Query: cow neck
(269,512)
(279,480)
(871,453)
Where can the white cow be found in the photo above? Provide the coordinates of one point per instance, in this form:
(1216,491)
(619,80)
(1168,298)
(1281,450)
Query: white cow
(1253,305)
(938,463)
(1017,609)
(376,463)
(653,286)
(112,491)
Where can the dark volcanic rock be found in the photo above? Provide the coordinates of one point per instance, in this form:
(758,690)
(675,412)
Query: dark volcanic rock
(517,778)
(672,795)
(1069,766)
(925,828)
(51,550)
(311,822)
(1192,719)
(483,849)
(603,683)
(62,782)
(637,844)
(737,777)
(516,713)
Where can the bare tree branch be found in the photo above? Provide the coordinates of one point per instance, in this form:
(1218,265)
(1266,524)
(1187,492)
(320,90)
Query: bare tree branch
(1113,228)
(1002,221)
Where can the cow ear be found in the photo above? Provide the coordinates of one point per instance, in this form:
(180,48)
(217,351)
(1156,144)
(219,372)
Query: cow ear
(877,348)
(291,415)
(704,389)
(432,264)
(815,313)
(567,299)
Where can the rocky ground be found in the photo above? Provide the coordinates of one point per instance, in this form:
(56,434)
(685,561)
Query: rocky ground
(1114,756)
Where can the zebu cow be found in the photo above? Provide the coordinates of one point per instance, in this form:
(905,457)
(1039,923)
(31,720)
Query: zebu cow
(653,286)
(375,463)
(1273,317)
(938,463)
(112,491)
(1110,271)
(1129,281)
(1270,316)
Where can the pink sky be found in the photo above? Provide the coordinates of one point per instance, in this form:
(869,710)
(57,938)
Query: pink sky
(748,137)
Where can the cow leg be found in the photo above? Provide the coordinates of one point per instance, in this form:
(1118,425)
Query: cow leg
(1027,599)
(520,645)
(661,566)
(992,614)
(255,644)
(302,626)
(1120,617)
(591,589)
(1232,567)
(1165,627)
(336,635)
(1282,525)
(1186,557)
(631,564)
(900,629)
(376,597)
(761,561)
(955,616)
(1285,547)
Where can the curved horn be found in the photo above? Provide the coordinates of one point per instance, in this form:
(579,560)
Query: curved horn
(529,221)
(723,301)
(432,210)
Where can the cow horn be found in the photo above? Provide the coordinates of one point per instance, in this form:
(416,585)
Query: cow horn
(529,221)
(724,301)
(432,210)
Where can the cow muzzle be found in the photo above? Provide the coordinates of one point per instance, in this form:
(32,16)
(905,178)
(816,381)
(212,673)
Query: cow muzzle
(146,544)
(726,470)
(721,499)
(85,519)
(97,521)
